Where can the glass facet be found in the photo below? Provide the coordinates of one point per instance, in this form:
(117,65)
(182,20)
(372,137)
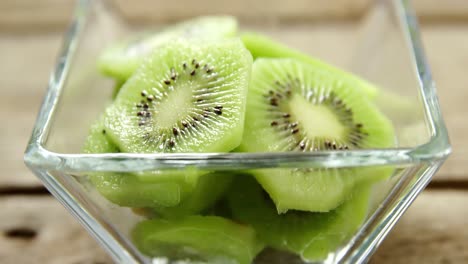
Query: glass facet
(384,48)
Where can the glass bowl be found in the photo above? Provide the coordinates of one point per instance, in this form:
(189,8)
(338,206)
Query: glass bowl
(383,46)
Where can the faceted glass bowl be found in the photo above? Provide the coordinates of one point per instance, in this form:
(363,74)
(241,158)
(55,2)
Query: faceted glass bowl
(382,46)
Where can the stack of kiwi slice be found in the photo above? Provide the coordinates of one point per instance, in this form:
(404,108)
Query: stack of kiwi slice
(200,86)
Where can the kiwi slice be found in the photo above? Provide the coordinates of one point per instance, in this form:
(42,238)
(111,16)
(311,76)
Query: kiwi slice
(203,239)
(126,189)
(123,58)
(172,195)
(193,102)
(189,96)
(263,46)
(292,106)
(311,235)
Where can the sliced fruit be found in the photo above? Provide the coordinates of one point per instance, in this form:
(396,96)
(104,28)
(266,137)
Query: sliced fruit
(126,189)
(205,239)
(188,97)
(190,104)
(97,140)
(311,235)
(292,106)
(209,189)
(263,46)
(172,194)
(123,58)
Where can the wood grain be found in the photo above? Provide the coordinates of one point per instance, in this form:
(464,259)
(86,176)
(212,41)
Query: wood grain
(46,14)
(447,51)
(27,61)
(28,14)
(161,10)
(441,11)
(37,229)
(429,232)
(433,230)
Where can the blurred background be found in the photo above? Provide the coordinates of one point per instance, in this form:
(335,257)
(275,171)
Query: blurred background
(34,228)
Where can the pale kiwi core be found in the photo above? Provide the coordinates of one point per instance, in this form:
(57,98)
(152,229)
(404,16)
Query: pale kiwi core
(318,120)
(175,107)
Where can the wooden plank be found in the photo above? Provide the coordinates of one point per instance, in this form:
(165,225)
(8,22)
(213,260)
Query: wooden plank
(160,10)
(37,229)
(154,10)
(447,51)
(436,10)
(27,63)
(39,14)
(430,232)
(433,230)
(29,14)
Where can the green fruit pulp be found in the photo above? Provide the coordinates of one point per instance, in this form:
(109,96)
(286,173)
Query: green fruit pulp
(194,93)
(125,189)
(193,70)
(209,239)
(302,102)
(173,194)
(311,235)
(209,189)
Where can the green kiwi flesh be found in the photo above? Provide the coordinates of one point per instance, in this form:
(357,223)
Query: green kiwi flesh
(97,140)
(263,46)
(203,239)
(173,194)
(123,58)
(292,106)
(126,189)
(217,90)
(310,235)
(209,189)
(189,96)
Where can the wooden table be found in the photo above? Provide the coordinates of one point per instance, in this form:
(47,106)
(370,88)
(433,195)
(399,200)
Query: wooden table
(35,228)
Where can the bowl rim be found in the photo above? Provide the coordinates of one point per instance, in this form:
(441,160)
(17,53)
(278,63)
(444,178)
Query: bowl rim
(436,149)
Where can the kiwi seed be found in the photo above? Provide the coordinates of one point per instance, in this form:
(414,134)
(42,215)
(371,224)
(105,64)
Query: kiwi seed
(171,143)
(274,101)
